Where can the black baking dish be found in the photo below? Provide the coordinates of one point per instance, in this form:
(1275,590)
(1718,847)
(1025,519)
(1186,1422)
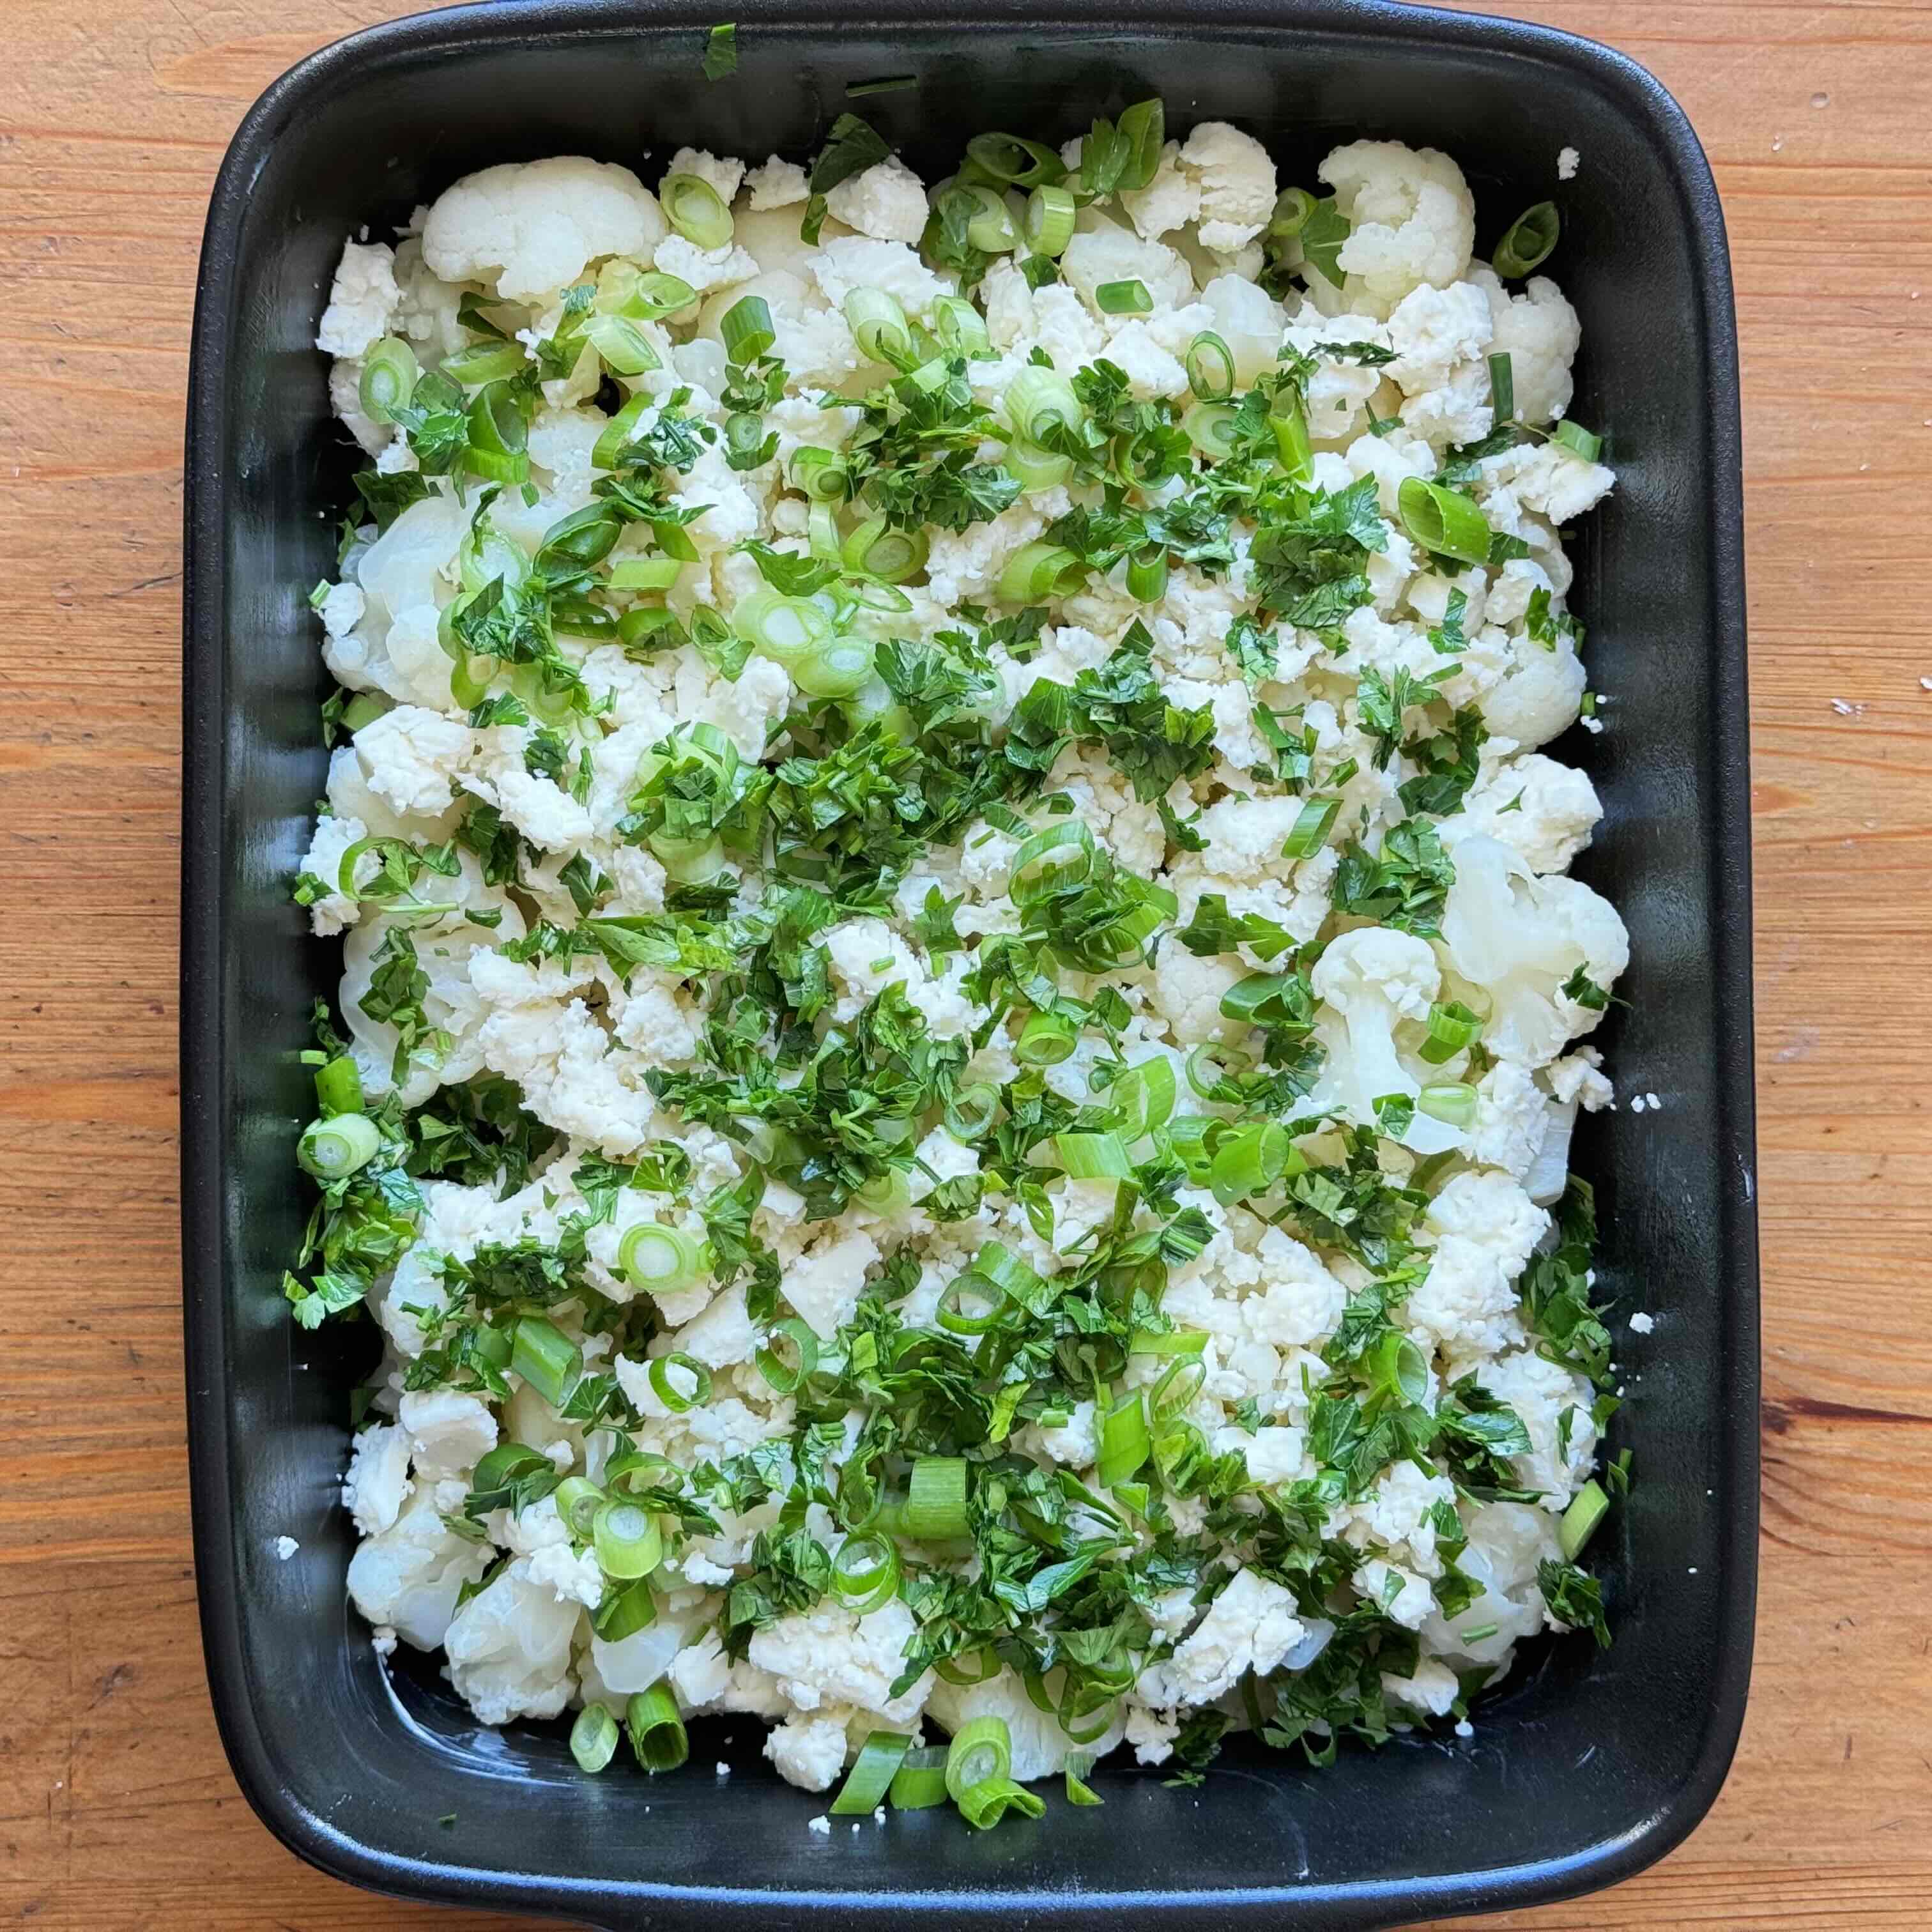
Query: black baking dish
(1589,1766)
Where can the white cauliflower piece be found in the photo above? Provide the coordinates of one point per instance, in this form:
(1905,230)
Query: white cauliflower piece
(407,1577)
(851,261)
(809,1751)
(1187,993)
(334,837)
(449,1432)
(722,176)
(1245,835)
(409,756)
(1541,1392)
(1432,330)
(362,300)
(777,184)
(1151,1733)
(1297,1302)
(1111,254)
(823,1284)
(509,1649)
(1486,1227)
(887,201)
(826,1656)
(1252,1625)
(1411,217)
(527,228)
(1540,331)
(1249,319)
(1576,1079)
(378,1482)
(1521,937)
(1235,177)
(1513,1120)
(1170,201)
(705,269)
(1544,812)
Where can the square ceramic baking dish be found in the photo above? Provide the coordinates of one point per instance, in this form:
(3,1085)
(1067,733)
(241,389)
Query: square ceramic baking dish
(1587,1766)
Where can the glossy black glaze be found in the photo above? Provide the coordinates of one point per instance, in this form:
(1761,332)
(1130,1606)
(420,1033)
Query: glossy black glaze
(1590,1766)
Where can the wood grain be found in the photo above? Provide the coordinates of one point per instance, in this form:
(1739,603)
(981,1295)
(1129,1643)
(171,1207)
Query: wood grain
(117,1811)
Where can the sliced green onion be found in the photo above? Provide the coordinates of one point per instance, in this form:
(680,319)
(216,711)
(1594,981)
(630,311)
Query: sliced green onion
(836,669)
(1060,859)
(1452,1028)
(1312,827)
(658,1259)
(1399,1369)
(485,362)
(954,1672)
(1587,1508)
(1452,1101)
(578,1500)
(389,373)
(364,708)
(1046,1040)
(657,1730)
(1502,386)
(1179,1382)
(1146,576)
(1038,570)
(785,1377)
(865,1574)
(667,1391)
(1292,208)
(1124,1440)
(1579,441)
(1292,449)
(891,556)
(687,861)
(1210,364)
(1143,1096)
(621,345)
(692,206)
(1249,1161)
(627,1539)
(1092,1156)
(1443,521)
(1211,427)
(1050,214)
(645,573)
(593,1737)
(1037,401)
(972,1110)
(870,1777)
(967,1305)
(610,445)
(984,1804)
(1531,237)
(1261,999)
(1132,297)
(338,1085)
(546,1357)
(338,1146)
(1163,1341)
(935,1509)
(785,629)
(877,321)
(655,295)
(633,1471)
(1036,470)
(819,474)
(990,228)
(982,1747)
(1079,1769)
(1013,159)
(919,1783)
(625,1611)
(747,330)
(960,327)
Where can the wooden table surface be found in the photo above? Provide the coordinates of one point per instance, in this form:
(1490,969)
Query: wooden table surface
(117,1810)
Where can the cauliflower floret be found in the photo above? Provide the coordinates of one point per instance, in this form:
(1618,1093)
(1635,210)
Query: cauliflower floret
(509,1648)
(809,1751)
(1170,201)
(1542,810)
(449,1432)
(824,1284)
(705,269)
(1340,390)
(1245,835)
(1541,1392)
(1149,370)
(527,228)
(1249,319)
(1236,180)
(1548,480)
(1111,254)
(826,1656)
(1371,978)
(1576,1079)
(966,564)
(1297,1302)
(1539,331)
(722,177)
(778,184)
(705,1679)
(334,837)
(1411,217)
(1539,692)
(362,300)
(1522,938)
(1486,1227)
(1433,329)
(860,261)
(1151,1733)
(1187,993)
(1040,1748)
(407,1577)
(887,201)
(409,756)
(1513,1120)
(1252,1625)
(378,1482)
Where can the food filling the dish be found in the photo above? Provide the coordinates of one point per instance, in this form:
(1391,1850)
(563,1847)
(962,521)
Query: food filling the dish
(958,1047)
